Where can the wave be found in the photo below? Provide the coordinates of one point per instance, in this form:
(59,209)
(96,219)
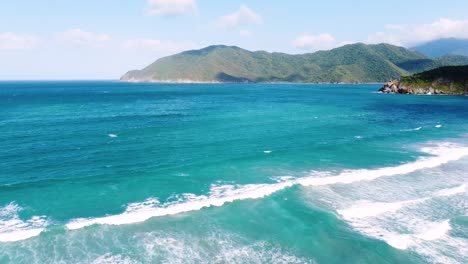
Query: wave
(443,153)
(372,209)
(112,259)
(406,228)
(367,217)
(412,129)
(366,209)
(435,230)
(363,218)
(12,228)
(220,195)
(452,191)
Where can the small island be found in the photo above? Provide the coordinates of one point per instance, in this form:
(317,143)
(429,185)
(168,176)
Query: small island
(445,80)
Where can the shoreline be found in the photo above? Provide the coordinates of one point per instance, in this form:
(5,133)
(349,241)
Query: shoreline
(217,82)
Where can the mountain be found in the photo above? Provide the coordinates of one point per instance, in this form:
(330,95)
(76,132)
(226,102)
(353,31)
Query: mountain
(354,63)
(444,80)
(441,47)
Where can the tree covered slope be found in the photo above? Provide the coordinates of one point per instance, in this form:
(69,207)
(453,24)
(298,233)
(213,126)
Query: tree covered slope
(350,64)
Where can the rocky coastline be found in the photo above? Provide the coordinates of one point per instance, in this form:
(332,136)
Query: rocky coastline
(452,80)
(397,86)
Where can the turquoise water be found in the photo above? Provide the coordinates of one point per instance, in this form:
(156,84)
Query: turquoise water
(108,172)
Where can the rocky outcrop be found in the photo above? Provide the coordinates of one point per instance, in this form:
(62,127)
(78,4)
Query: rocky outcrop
(397,86)
(443,80)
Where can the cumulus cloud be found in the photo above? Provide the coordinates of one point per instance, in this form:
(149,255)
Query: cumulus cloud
(242,16)
(156,45)
(84,38)
(171,7)
(314,42)
(12,41)
(407,35)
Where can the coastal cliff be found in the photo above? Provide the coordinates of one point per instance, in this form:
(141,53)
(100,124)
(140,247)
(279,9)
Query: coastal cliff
(444,80)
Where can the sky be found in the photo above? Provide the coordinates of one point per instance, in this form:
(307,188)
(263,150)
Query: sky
(103,39)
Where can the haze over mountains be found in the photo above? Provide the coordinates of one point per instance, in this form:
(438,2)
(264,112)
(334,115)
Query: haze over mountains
(354,63)
(442,47)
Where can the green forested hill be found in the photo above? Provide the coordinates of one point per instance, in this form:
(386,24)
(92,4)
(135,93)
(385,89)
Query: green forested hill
(449,80)
(350,64)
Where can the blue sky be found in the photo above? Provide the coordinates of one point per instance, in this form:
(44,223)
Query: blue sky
(102,39)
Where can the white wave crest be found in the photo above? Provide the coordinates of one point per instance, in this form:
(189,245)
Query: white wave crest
(452,191)
(444,153)
(412,129)
(370,209)
(12,228)
(435,231)
(365,209)
(192,203)
(113,259)
(219,195)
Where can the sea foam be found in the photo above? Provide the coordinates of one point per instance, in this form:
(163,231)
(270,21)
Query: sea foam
(412,129)
(452,191)
(372,209)
(12,228)
(218,196)
(435,230)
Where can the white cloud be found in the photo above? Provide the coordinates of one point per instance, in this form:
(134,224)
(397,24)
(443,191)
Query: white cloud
(384,37)
(12,41)
(407,35)
(85,38)
(314,42)
(242,16)
(245,33)
(156,45)
(171,7)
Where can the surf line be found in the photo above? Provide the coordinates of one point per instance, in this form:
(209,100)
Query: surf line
(443,154)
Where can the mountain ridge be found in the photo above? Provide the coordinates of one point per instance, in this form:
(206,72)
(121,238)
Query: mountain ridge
(443,47)
(352,63)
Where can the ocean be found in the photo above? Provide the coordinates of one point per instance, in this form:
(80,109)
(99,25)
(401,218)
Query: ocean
(111,172)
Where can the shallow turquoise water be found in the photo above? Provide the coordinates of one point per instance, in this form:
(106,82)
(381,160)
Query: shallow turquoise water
(108,172)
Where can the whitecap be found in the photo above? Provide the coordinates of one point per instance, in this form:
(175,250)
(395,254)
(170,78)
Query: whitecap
(112,135)
(435,230)
(372,209)
(452,191)
(267,151)
(12,228)
(412,129)
(438,126)
(397,241)
(220,195)
(113,259)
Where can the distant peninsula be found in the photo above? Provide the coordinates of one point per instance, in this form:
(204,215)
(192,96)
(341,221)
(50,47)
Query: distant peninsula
(444,80)
(354,63)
